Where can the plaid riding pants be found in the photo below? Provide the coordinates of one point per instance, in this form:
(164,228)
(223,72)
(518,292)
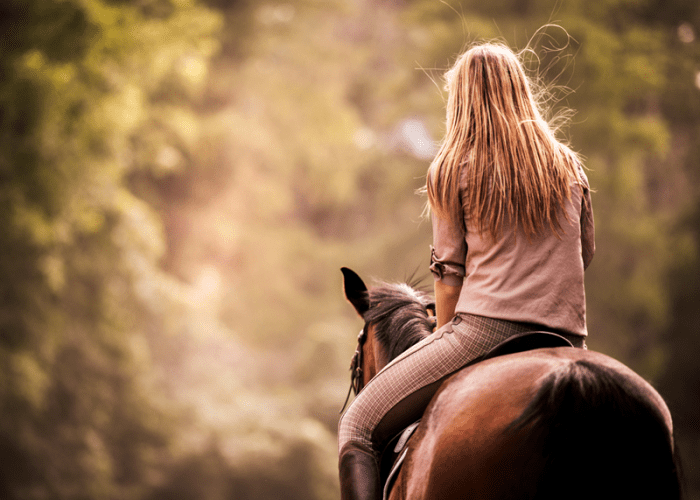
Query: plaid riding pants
(414,376)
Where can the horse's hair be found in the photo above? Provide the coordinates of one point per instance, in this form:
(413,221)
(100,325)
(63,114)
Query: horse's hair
(595,434)
(399,316)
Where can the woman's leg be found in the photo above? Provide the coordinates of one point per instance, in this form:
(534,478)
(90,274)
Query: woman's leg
(407,384)
(358,460)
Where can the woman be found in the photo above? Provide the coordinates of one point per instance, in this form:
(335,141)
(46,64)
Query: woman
(512,235)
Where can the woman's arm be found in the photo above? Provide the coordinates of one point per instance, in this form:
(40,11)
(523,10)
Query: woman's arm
(446,297)
(447,259)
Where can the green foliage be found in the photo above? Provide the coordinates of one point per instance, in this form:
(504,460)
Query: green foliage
(79,79)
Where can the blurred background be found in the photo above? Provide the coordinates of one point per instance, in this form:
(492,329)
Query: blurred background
(181,180)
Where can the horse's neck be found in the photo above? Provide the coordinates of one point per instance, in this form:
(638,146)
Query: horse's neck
(374,358)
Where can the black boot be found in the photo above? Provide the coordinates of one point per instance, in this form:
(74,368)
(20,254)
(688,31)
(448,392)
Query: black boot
(359,473)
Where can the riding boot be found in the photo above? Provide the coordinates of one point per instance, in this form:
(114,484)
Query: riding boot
(359,473)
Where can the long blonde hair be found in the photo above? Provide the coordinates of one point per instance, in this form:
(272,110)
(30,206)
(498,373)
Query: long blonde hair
(499,148)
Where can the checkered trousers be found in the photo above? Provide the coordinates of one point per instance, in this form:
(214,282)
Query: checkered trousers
(447,350)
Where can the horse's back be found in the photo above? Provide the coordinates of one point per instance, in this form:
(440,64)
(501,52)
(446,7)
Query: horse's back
(550,423)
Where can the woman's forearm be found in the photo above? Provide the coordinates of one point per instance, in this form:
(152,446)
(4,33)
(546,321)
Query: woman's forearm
(446,297)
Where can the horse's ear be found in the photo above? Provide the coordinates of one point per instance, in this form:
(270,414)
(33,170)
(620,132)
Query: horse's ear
(355,290)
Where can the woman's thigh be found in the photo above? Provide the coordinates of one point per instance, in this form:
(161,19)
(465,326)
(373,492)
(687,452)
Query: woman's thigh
(414,376)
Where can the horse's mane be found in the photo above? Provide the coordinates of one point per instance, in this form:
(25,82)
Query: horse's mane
(585,407)
(399,315)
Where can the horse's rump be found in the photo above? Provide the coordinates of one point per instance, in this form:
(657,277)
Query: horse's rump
(600,433)
(550,424)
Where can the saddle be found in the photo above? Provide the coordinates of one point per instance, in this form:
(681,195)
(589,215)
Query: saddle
(395,451)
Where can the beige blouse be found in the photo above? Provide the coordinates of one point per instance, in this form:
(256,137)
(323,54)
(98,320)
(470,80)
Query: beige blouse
(539,281)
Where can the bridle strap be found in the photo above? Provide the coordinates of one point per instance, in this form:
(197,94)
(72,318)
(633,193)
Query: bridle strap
(356,382)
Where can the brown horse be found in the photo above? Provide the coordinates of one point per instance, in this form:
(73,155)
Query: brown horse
(553,423)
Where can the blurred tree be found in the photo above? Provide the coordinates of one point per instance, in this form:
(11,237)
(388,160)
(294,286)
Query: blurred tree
(681,105)
(681,381)
(78,80)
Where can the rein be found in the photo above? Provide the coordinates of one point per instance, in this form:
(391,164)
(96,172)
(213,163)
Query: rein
(356,383)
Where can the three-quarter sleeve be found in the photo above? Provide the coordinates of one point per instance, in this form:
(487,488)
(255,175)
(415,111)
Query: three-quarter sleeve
(449,251)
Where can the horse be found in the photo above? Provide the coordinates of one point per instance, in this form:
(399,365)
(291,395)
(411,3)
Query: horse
(543,424)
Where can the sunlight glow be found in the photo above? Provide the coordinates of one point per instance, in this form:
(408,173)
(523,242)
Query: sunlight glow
(364,138)
(193,69)
(413,136)
(686,34)
(168,157)
(208,284)
(277,14)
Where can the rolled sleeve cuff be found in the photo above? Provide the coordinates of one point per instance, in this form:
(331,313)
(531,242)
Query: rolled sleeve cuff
(448,273)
